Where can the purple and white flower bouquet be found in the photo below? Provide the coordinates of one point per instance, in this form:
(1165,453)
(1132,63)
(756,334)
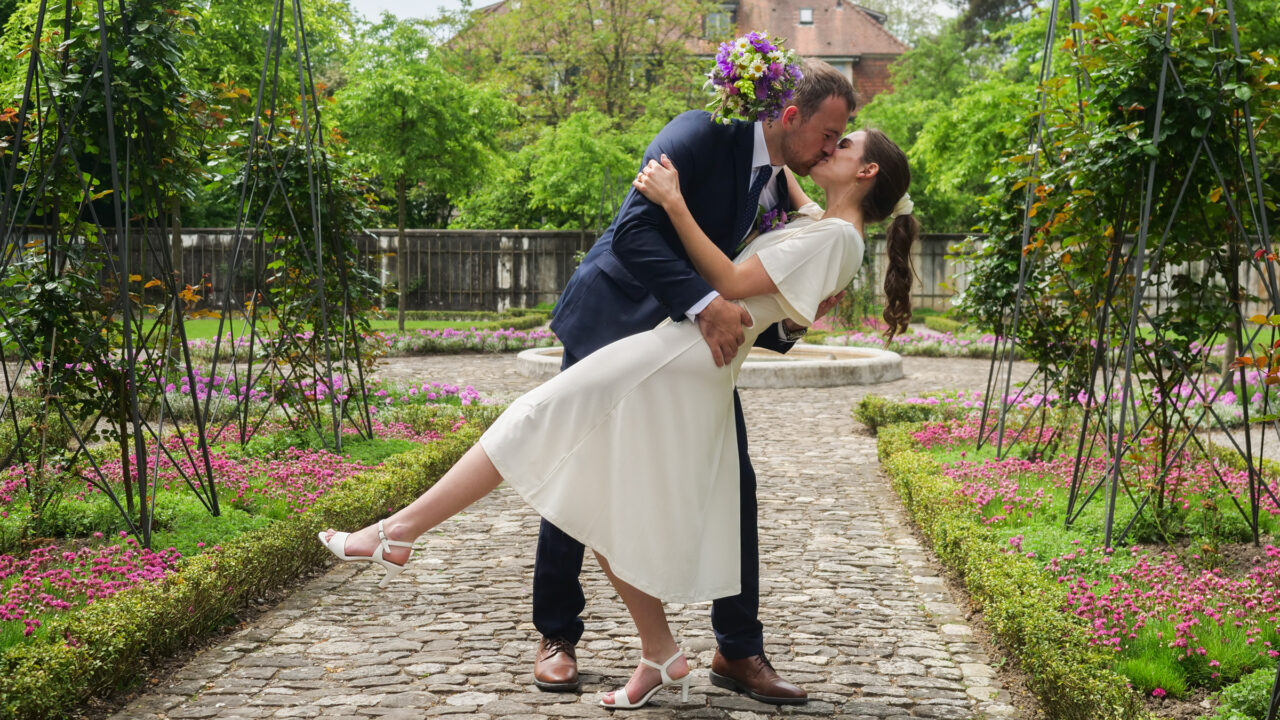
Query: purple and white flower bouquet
(754,77)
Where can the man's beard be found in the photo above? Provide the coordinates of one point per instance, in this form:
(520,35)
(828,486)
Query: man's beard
(799,165)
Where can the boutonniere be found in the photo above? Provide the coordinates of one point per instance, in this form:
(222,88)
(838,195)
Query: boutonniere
(775,219)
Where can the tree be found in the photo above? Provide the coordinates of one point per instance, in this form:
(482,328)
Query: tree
(233,39)
(413,123)
(950,112)
(6,9)
(614,56)
(912,21)
(572,176)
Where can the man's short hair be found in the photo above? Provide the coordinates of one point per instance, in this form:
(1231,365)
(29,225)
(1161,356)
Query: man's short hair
(820,82)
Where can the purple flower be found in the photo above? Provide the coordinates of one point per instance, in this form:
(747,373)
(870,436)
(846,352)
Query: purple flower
(752,78)
(775,219)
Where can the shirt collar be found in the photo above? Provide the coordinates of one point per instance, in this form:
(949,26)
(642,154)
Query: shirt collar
(760,152)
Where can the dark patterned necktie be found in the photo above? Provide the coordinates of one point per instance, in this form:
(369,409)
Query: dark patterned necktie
(749,210)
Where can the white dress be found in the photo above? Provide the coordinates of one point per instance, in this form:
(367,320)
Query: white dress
(633,450)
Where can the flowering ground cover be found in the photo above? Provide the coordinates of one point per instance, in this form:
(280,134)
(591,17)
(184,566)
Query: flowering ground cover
(421,342)
(921,342)
(1188,605)
(1207,400)
(66,545)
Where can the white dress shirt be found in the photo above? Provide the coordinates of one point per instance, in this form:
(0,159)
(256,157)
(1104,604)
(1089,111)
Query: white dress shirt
(768,198)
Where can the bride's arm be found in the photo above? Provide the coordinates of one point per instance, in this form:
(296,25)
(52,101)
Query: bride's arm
(661,184)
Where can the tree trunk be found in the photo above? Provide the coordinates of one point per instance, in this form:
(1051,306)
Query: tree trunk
(402,253)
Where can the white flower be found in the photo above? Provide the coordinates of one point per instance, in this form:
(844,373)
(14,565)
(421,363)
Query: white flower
(742,46)
(756,70)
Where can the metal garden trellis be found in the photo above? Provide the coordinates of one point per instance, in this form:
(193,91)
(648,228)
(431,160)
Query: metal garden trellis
(1116,409)
(1113,402)
(153,345)
(261,183)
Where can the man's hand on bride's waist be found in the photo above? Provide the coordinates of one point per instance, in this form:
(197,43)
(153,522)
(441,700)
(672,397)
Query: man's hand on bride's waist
(721,324)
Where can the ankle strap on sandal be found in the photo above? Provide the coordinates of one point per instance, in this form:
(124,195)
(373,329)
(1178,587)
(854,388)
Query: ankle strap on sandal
(388,543)
(662,669)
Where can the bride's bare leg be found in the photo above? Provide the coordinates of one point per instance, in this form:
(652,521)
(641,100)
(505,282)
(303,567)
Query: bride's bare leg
(656,641)
(470,479)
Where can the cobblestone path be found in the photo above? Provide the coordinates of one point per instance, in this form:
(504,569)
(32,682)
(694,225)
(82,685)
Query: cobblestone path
(853,607)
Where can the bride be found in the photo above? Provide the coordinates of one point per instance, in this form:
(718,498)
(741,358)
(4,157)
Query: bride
(632,451)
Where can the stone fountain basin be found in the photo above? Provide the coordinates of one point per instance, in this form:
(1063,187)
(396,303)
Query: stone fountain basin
(805,366)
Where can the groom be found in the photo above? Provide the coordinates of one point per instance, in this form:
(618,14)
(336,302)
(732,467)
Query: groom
(635,275)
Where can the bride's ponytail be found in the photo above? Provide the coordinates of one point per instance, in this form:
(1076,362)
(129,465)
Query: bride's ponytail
(886,196)
(898,239)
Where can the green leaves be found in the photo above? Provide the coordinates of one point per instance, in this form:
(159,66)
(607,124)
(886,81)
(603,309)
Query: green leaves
(410,120)
(1092,174)
(619,57)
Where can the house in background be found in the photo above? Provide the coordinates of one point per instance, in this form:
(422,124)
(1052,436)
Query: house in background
(850,37)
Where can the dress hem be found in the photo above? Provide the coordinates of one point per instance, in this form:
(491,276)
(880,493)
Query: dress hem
(570,528)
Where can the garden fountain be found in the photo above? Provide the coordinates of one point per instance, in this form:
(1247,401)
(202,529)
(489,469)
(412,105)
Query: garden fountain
(803,366)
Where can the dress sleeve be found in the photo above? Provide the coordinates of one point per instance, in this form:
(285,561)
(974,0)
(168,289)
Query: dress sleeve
(810,209)
(811,265)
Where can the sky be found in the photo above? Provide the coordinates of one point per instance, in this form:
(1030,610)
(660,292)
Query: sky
(372,9)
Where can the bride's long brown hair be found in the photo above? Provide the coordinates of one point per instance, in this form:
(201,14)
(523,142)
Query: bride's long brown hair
(892,181)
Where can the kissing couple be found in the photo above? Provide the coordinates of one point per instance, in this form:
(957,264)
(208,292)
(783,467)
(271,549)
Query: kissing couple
(638,448)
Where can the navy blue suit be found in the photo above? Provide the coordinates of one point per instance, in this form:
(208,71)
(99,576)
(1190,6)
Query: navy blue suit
(635,275)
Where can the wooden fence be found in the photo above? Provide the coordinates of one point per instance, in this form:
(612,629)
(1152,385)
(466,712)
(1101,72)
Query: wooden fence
(498,269)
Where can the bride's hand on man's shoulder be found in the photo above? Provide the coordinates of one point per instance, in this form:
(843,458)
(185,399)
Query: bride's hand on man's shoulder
(659,181)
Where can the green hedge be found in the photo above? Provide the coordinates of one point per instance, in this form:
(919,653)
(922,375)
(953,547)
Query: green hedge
(942,324)
(876,411)
(105,646)
(1020,604)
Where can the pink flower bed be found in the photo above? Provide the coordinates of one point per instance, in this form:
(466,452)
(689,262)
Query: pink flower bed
(1159,590)
(383,395)
(52,579)
(58,578)
(1212,625)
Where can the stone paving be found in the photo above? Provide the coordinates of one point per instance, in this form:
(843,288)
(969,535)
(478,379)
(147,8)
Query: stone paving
(855,610)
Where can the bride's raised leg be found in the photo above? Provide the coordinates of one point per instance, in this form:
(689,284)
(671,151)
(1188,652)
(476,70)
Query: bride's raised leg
(661,655)
(470,479)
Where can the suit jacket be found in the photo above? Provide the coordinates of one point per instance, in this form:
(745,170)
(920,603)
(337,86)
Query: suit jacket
(638,272)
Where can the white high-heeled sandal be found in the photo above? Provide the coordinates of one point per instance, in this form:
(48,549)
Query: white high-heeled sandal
(338,546)
(622,702)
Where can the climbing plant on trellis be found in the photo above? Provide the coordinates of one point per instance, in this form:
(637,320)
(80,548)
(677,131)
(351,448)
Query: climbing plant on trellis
(1140,246)
(98,153)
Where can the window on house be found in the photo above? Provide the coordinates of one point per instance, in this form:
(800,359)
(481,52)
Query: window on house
(806,16)
(717,25)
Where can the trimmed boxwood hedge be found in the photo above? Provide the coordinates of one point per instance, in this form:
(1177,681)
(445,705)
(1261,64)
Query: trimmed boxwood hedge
(941,324)
(1020,604)
(513,318)
(103,647)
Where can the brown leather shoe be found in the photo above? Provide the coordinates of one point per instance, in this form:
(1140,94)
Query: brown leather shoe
(755,677)
(555,668)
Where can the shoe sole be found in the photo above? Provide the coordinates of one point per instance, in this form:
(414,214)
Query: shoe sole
(729,683)
(558,687)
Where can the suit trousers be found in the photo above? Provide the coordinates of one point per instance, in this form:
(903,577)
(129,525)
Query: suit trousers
(558,600)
